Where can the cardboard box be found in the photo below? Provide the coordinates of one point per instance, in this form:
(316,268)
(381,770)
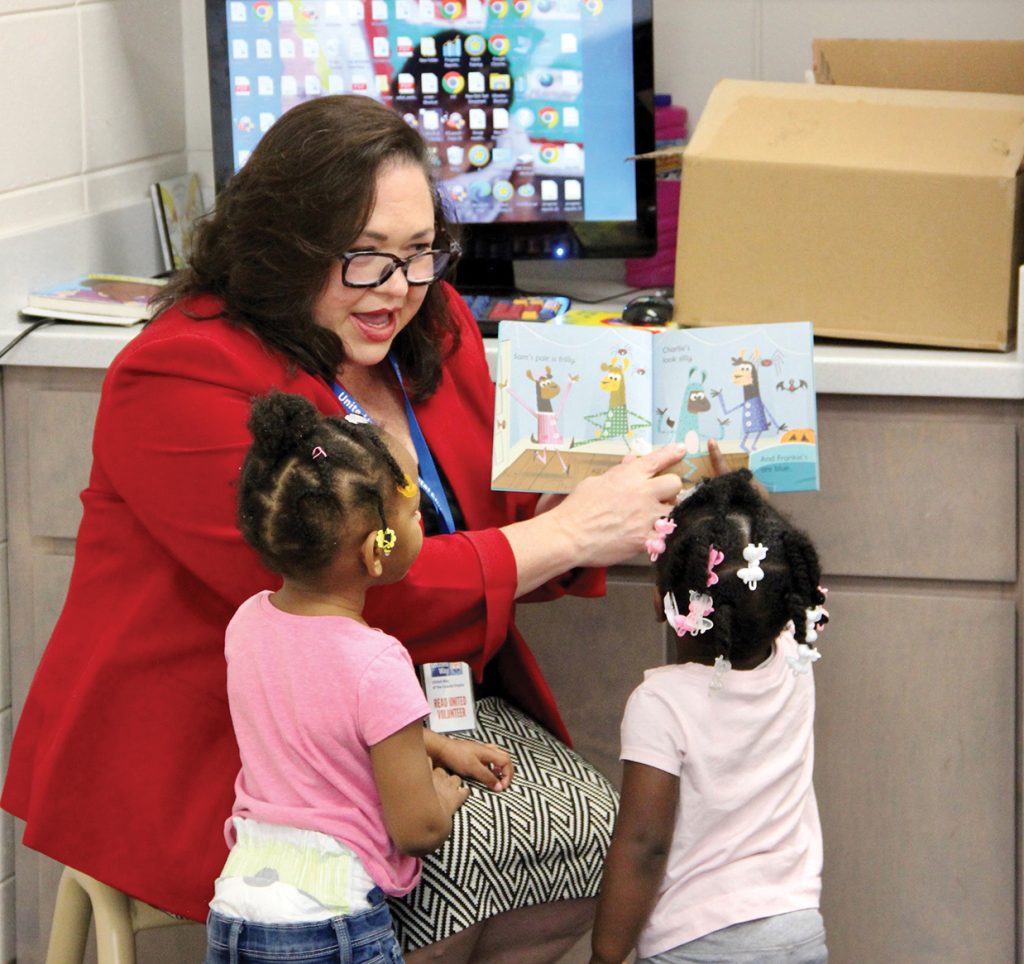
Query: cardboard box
(982,66)
(877,214)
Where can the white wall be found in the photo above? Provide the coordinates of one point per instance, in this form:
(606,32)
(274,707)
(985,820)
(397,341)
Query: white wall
(101,97)
(697,42)
(93,105)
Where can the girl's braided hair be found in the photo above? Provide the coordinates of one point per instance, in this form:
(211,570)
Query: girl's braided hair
(307,480)
(729,513)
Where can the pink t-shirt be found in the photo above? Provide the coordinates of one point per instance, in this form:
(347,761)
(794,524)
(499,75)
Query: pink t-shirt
(747,841)
(309,695)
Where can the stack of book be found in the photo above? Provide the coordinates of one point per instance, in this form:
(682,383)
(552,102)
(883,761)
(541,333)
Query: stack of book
(104,299)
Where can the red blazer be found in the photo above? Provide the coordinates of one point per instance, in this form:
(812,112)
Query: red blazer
(124,759)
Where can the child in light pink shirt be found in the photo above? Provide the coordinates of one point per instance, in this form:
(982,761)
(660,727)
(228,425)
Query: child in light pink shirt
(341,788)
(717,850)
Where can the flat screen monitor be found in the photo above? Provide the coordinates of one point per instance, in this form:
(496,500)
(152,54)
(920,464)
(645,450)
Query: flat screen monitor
(530,108)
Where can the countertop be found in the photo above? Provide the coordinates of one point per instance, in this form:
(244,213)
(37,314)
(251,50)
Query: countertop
(847,368)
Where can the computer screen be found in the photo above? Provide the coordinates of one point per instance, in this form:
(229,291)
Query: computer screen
(530,108)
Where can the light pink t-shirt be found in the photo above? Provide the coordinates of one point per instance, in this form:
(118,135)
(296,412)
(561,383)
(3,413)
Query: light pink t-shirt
(309,695)
(747,841)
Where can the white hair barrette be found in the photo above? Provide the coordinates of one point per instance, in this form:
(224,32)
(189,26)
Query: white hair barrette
(752,573)
(805,655)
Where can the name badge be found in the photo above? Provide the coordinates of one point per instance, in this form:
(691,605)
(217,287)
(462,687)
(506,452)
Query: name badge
(449,689)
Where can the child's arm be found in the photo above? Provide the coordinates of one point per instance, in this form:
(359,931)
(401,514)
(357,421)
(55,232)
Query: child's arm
(418,801)
(636,860)
(484,762)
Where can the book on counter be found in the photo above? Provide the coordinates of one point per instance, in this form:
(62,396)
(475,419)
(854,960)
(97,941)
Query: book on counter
(573,400)
(177,204)
(106,299)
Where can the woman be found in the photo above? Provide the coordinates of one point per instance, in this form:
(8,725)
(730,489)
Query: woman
(313,276)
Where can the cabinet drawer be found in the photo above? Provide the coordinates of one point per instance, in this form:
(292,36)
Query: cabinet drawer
(913,496)
(59,459)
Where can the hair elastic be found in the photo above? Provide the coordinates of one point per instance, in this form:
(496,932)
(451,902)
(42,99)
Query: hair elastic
(654,544)
(318,453)
(722,666)
(695,620)
(715,558)
(752,573)
(386,540)
(357,419)
(407,488)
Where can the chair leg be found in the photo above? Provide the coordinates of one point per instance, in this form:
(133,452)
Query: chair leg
(115,938)
(70,928)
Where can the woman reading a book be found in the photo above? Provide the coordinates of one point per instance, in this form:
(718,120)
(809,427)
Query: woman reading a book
(319,273)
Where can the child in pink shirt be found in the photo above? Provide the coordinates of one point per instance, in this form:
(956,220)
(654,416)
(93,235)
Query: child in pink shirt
(716,854)
(341,787)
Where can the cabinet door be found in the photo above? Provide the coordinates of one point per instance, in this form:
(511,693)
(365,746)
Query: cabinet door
(915,776)
(913,491)
(593,653)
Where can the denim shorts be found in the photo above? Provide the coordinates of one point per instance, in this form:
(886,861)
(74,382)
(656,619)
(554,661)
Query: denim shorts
(364,938)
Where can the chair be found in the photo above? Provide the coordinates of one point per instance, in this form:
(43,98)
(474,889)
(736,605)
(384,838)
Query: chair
(118,919)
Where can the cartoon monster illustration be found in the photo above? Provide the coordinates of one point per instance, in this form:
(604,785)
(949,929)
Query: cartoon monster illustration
(617,421)
(687,426)
(756,416)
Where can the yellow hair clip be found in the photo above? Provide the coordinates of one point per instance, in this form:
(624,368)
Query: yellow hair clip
(386,540)
(407,488)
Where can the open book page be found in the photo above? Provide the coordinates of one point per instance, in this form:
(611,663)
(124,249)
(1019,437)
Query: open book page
(749,387)
(571,401)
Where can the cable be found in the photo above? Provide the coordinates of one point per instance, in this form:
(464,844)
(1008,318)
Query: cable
(39,323)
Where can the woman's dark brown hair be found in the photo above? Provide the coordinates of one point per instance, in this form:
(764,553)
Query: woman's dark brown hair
(280,224)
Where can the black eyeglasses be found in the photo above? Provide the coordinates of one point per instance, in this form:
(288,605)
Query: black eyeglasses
(368,269)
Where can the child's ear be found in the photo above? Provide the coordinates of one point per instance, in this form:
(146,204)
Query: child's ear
(659,606)
(372,556)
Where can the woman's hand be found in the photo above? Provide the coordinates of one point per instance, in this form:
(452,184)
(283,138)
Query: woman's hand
(484,762)
(609,516)
(605,520)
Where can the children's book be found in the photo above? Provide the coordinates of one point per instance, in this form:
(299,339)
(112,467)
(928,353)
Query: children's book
(177,204)
(573,400)
(101,298)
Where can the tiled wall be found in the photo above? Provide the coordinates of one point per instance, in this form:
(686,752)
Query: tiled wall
(101,97)
(93,108)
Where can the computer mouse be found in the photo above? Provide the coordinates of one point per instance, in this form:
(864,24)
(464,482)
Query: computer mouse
(648,310)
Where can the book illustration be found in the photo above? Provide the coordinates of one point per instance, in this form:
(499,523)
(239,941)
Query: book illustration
(690,426)
(99,295)
(600,393)
(618,420)
(177,205)
(548,436)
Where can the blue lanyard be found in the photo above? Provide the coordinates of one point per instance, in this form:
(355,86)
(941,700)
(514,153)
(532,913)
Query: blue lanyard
(430,478)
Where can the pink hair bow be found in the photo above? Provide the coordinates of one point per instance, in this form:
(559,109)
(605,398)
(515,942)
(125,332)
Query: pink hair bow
(715,557)
(695,620)
(655,543)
